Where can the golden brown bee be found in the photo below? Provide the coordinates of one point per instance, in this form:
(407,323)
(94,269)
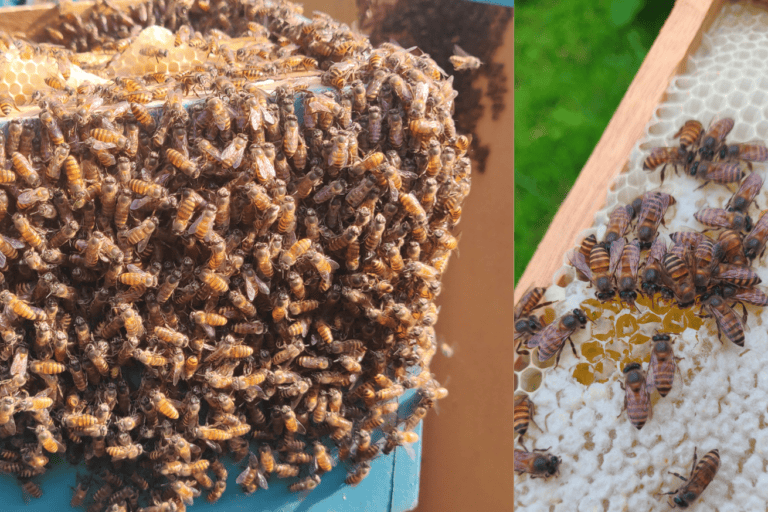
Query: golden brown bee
(736,275)
(462,61)
(748,152)
(232,155)
(218,489)
(711,141)
(689,133)
(551,339)
(538,463)
(663,365)
(637,402)
(163,405)
(523,413)
(599,268)
(330,191)
(25,170)
(651,214)
(754,242)
(202,228)
(726,319)
(358,474)
(186,493)
(719,218)
(151,51)
(702,473)
(677,277)
(626,276)
(182,163)
(31,488)
(674,156)
(20,307)
(7,103)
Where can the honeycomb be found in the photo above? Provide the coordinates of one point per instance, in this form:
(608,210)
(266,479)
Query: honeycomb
(131,62)
(22,74)
(719,400)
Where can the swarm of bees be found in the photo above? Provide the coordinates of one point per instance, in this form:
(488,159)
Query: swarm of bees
(180,281)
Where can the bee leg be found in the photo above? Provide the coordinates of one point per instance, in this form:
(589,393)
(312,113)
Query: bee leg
(678,476)
(573,348)
(746,314)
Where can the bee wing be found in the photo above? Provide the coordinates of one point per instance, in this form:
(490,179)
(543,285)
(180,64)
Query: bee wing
(634,256)
(715,217)
(754,296)
(580,263)
(265,167)
(209,330)
(457,50)
(26,197)
(16,244)
(139,203)
(394,193)
(650,382)
(749,188)
(20,363)
(300,426)
(99,145)
(255,118)
(409,450)
(250,289)
(617,249)
(261,480)
(194,226)
(143,244)
(315,105)
(724,172)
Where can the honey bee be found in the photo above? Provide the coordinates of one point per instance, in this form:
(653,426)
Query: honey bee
(151,51)
(185,492)
(702,473)
(30,487)
(523,413)
(202,228)
(358,474)
(626,277)
(462,61)
(25,170)
(689,133)
(754,242)
(218,489)
(538,463)
(748,152)
(726,319)
(663,365)
(182,163)
(163,405)
(232,156)
(664,156)
(551,339)
(21,308)
(720,172)
(677,277)
(329,191)
(654,206)
(9,249)
(715,135)
(637,402)
(719,218)
(618,223)
(599,269)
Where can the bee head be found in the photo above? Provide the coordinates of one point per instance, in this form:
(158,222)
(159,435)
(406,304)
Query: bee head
(630,367)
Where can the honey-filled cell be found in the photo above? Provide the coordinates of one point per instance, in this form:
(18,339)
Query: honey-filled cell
(530,380)
(522,360)
(593,351)
(626,325)
(584,374)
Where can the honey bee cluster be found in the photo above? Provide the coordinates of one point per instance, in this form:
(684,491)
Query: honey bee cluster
(261,265)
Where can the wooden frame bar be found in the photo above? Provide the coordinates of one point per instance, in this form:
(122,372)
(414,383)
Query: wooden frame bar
(679,37)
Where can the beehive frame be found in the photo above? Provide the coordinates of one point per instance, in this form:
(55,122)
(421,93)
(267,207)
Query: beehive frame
(616,177)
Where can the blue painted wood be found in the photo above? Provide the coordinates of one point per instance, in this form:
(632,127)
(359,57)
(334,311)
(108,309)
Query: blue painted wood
(391,486)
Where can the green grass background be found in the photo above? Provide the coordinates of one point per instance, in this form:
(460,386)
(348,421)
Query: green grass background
(574,60)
